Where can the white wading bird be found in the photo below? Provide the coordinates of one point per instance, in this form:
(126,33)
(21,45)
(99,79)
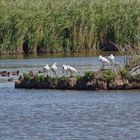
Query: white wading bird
(111,59)
(54,69)
(104,61)
(67,68)
(71,70)
(46,70)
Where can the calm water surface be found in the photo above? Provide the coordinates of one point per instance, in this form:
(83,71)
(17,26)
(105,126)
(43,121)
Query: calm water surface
(66,115)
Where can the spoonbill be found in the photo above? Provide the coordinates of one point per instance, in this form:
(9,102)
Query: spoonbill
(65,69)
(104,61)
(54,69)
(111,59)
(71,70)
(46,69)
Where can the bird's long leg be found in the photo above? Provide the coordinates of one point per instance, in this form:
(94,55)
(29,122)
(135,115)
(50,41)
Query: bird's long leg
(110,66)
(55,74)
(63,70)
(71,74)
(103,66)
(66,73)
(46,73)
(114,65)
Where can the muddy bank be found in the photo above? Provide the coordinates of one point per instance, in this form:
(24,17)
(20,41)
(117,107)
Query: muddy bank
(102,81)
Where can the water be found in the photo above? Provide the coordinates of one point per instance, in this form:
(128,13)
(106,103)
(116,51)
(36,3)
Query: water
(66,115)
(82,64)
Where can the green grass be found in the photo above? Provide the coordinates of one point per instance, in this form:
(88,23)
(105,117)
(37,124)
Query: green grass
(108,76)
(124,73)
(67,25)
(135,78)
(88,75)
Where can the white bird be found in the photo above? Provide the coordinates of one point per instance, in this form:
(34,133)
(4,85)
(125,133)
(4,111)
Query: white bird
(71,69)
(46,69)
(104,61)
(65,69)
(54,69)
(111,59)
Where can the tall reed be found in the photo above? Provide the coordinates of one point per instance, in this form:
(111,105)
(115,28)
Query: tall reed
(67,25)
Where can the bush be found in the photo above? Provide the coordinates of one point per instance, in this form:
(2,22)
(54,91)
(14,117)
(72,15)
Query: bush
(48,78)
(108,76)
(78,77)
(63,78)
(26,77)
(38,79)
(135,78)
(124,73)
(54,79)
(88,75)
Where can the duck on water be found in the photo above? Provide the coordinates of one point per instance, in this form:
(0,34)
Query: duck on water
(104,79)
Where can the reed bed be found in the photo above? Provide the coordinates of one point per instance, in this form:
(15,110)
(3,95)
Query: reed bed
(67,25)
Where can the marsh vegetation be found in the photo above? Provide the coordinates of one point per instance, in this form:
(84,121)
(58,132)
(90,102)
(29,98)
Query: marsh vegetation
(100,80)
(42,26)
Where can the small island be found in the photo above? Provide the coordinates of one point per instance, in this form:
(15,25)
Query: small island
(100,80)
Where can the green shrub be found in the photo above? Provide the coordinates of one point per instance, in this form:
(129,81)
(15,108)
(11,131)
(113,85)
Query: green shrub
(108,76)
(63,78)
(78,77)
(48,78)
(124,73)
(88,75)
(38,79)
(54,79)
(26,76)
(135,78)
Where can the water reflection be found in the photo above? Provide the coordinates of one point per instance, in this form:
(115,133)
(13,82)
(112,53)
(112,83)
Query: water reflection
(58,55)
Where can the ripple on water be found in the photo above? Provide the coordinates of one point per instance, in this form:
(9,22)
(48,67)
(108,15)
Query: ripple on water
(68,115)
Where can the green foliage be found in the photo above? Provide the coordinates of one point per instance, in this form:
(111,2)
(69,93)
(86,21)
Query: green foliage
(108,76)
(135,78)
(38,79)
(88,75)
(78,77)
(54,79)
(26,77)
(124,73)
(65,25)
(63,78)
(48,78)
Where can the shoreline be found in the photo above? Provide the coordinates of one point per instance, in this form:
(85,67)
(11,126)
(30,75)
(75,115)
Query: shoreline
(86,82)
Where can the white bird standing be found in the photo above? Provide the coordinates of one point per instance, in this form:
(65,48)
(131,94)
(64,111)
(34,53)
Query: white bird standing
(46,70)
(71,70)
(54,69)
(104,61)
(111,59)
(65,69)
